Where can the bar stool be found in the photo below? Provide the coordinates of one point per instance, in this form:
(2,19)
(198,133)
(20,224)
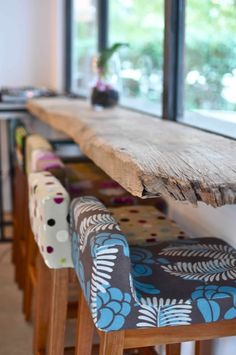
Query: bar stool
(30,148)
(33,152)
(48,206)
(78,179)
(19,202)
(143,295)
(50,229)
(29,145)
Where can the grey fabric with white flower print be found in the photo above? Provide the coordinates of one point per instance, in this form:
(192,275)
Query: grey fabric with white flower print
(170,283)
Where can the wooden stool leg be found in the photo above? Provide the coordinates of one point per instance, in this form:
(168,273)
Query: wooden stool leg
(22,226)
(197,348)
(58,311)
(15,215)
(85,328)
(31,254)
(42,307)
(18,217)
(111,343)
(173,349)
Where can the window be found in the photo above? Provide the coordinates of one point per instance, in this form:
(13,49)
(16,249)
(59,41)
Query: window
(210,72)
(181,59)
(140,65)
(84,44)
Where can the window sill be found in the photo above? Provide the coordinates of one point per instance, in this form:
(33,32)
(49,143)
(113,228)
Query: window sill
(221,122)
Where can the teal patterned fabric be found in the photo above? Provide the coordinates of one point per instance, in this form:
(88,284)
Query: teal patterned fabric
(178,282)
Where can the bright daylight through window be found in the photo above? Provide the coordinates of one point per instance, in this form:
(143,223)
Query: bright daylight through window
(207,53)
(139,66)
(210,59)
(84,44)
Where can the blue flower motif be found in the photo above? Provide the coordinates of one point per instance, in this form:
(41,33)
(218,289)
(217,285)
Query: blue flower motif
(206,298)
(113,307)
(145,288)
(140,257)
(108,239)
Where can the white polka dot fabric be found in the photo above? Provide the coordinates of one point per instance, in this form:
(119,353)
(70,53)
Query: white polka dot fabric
(145,224)
(49,206)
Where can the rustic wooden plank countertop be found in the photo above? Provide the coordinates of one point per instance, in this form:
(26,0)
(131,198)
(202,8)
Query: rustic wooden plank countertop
(146,155)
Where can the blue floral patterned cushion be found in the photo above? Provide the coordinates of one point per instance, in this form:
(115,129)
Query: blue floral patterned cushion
(174,282)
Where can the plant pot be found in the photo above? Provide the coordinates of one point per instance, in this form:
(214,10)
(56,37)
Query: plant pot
(104,96)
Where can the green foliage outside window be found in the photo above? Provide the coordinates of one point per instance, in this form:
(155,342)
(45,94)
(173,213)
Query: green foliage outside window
(210,53)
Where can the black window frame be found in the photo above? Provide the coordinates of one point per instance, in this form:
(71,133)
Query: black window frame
(174,56)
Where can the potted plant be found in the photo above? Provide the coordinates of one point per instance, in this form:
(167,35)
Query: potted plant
(103,93)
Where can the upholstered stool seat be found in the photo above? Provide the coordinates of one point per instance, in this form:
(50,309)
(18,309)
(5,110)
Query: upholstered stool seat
(48,206)
(49,211)
(186,282)
(145,225)
(168,283)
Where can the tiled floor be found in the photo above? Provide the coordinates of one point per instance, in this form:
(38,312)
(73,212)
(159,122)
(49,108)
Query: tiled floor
(15,333)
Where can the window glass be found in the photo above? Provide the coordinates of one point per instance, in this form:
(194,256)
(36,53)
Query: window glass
(139,67)
(210,64)
(84,44)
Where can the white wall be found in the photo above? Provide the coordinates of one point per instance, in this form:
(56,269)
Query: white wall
(31,43)
(206,220)
(31,52)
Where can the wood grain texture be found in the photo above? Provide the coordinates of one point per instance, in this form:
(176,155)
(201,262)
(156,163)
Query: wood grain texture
(40,329)
(85,328)
(58,311)
(173,349)
(179,334)
(148,156)
(111,343)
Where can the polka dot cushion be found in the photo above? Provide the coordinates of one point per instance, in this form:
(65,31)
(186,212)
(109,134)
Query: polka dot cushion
(34,142)
(48,206)
(145,224)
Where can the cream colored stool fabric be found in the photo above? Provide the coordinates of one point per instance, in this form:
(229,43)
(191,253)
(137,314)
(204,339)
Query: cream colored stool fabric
(145,224)
(35,142)
(49,208)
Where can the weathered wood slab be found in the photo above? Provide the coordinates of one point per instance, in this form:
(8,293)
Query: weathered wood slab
(148,156)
